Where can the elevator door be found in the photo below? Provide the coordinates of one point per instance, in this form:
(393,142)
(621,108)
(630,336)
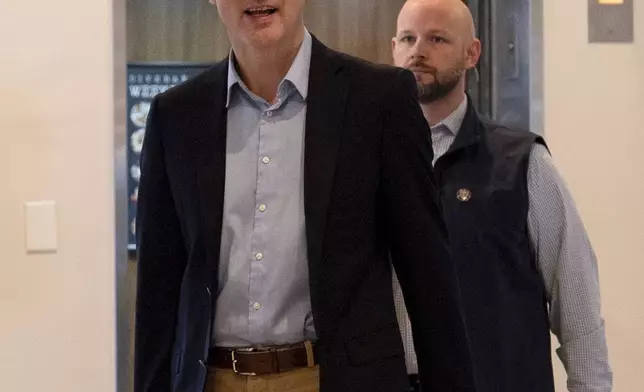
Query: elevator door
(500,87)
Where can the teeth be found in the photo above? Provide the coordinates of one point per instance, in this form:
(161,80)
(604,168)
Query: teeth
(260,9)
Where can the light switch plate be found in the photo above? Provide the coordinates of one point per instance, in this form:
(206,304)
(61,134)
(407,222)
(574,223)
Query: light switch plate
(41,227)
(610,21)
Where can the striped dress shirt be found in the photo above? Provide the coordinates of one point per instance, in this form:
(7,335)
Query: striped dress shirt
(567,265)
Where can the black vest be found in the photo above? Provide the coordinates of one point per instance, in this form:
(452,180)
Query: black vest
(483,179)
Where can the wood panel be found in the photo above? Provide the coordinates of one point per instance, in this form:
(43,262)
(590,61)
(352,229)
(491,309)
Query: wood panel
(190,30)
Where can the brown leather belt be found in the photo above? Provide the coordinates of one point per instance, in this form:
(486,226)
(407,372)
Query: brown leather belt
(266,360)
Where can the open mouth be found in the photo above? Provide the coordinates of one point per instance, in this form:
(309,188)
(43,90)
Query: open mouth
(260,11)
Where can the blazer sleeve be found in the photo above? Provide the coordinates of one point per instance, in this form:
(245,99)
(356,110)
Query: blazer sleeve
(418,244)
(161,263)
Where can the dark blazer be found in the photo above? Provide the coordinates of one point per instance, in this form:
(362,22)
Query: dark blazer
(369,190)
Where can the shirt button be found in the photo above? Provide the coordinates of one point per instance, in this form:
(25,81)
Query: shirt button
(262,207)
(259,256)
(269,113)
(266,160)
(257,306)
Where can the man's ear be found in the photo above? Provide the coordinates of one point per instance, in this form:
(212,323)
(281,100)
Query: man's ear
(473,53)
(393,46)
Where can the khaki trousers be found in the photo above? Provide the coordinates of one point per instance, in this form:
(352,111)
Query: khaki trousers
(300,380)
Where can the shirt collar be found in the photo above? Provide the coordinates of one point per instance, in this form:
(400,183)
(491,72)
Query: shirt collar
(454,121)
(298,74)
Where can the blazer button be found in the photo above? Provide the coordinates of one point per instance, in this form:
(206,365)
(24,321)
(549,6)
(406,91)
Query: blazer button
(202,363)
(208,290)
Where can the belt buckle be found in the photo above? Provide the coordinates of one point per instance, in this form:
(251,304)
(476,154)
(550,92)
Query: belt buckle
(235,370)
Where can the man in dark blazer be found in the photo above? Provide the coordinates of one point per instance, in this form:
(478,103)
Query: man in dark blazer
(274,188)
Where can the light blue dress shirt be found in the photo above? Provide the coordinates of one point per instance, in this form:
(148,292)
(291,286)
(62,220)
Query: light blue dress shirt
(264,296)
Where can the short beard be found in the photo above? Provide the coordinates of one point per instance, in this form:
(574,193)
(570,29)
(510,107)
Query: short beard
(438,89)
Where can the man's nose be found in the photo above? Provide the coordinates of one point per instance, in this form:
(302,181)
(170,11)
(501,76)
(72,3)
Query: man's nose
(418,56)
(418,53)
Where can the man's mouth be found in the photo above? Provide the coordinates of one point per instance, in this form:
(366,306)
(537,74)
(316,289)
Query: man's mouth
(420,68)
(260,11)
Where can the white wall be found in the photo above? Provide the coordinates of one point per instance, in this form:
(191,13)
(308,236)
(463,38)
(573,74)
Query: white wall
(594,124)
(57,311)
(57,316)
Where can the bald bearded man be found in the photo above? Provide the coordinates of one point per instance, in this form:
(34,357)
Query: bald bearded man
(524,261)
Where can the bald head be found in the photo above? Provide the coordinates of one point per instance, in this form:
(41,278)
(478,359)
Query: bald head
(436,40)
(456,13)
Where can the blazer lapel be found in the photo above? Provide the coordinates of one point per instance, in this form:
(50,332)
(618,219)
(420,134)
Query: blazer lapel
(324,117)
(211,160)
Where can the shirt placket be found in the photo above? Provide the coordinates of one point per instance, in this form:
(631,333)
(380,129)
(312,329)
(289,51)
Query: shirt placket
(265,197)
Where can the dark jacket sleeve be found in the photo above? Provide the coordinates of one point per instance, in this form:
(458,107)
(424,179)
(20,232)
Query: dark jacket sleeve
(161,264)
(419,248)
